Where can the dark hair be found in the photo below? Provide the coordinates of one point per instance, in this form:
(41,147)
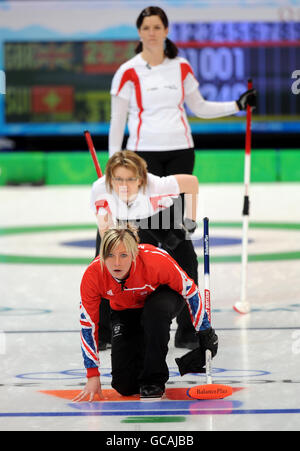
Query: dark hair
(171,51)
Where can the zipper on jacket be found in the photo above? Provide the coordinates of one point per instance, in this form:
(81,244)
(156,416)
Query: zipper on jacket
(123,284)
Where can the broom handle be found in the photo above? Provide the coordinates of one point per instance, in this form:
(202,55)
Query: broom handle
(93,152)
(246,201)
(207,300)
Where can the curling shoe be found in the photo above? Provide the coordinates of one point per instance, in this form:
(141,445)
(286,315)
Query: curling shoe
(151,393)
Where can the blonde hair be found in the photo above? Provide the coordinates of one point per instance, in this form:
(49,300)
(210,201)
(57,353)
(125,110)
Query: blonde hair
(113,237)
(129,160)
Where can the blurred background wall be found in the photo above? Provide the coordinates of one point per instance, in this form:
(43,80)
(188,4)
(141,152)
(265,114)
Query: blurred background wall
(57,59)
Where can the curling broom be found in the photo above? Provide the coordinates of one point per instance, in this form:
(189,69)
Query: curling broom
(93,152)
(243,305)
(209,390)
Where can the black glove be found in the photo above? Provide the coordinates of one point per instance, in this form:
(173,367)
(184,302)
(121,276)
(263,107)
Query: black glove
(191,362)
(194,361)
(208,339)
(247,98)
(190,225)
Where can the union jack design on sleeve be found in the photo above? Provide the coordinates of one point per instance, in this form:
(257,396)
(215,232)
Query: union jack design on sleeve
(192,296)
(88,343)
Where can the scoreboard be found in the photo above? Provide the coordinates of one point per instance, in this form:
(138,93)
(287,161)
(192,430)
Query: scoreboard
(58,86)
(61,81)
(225,54)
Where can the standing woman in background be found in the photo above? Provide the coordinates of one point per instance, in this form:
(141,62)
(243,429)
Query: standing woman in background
(151,89)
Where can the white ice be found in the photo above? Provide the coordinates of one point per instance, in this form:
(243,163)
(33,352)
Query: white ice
(39,327)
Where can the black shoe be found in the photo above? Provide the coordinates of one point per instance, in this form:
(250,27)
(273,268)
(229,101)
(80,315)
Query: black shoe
(151,393)
(188,340)
(103,345)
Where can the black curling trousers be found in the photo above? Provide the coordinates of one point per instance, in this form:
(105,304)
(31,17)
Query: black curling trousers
(164,163)
(169,162)
(140,340)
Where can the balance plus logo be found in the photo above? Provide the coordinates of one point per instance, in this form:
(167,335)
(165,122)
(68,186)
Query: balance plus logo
(2,82)
(296,83)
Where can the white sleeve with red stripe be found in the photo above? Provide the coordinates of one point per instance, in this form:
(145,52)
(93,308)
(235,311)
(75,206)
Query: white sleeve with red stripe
(122,85)
(190,82)
(119,111)
(196,103)
(100,199)
(209,110)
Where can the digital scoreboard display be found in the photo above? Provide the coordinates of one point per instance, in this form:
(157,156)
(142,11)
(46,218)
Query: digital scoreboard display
(56,87)
(61,81)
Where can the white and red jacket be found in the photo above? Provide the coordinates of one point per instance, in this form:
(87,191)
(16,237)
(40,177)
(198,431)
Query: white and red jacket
(153,267)
(158,195)
(153,97)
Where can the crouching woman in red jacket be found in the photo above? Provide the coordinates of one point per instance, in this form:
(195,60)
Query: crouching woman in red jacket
(146,289)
